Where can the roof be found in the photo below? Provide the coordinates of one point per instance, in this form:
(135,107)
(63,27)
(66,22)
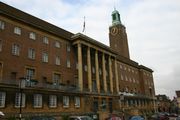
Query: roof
(26,18)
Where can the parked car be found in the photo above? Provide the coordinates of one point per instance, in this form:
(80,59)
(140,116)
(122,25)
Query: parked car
(80,118)
(178,118)
(159,116)
(137,117)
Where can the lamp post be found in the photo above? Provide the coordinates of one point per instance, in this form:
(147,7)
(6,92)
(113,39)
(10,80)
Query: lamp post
(21,85)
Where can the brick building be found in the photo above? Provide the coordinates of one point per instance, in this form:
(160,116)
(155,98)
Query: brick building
(62,73)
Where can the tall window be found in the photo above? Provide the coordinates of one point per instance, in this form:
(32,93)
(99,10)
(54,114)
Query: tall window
(18,100)
(31,53)
(2,99)
(56,78)
(32,35)
(37,101)
(57,60)
(15,49)
(2,25)
(17,30)
(57,44)
(65,101)
(45,40)
(68,47)
(77,101)
(52,101)
(45,57)
(1,45)
(103,104)
(30,73)
(68,63)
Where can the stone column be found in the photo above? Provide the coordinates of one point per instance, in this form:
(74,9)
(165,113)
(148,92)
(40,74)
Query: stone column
(97,71)
(116,76)
(104,72)
(110,74)
(89,69)
(80,70)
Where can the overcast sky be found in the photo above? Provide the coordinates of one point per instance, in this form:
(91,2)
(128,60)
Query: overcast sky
(153,28)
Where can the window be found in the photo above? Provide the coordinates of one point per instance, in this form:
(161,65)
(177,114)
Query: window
(57,44)
(77,101)
(65,101)
(57,61)
(56,78)
(15,49)
(85,68)
(122,77)
(44,57)
(68,48)
(103,104)
(30,73)
(13,75)
(2,25)
(37,100)
(100,71)
(93,70)
(2,99)
(52,101)
(45,40)
(18,100)
(31,53)
(0,45)
(68,63)
(32,35)
(17,30)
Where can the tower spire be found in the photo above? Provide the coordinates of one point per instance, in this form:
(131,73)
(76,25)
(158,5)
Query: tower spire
(115,17)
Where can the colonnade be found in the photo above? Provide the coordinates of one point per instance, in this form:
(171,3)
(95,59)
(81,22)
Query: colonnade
(97,76)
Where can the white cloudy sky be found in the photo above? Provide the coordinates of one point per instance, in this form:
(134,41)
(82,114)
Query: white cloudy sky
(153,28)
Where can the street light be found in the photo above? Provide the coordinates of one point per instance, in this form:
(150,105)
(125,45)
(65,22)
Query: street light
(21,85)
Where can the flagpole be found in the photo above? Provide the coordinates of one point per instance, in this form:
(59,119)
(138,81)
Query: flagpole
(84,26)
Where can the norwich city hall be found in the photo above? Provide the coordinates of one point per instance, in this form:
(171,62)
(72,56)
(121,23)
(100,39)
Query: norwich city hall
(46,70)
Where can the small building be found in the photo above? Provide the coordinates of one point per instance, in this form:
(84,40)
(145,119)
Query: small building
(163,103)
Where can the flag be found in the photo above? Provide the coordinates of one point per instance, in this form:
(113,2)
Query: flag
(84,25)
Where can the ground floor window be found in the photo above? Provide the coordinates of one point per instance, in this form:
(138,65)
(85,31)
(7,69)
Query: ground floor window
(52,101)
(65,101)
(18,99)
(37,101)
(2,99)
(77,101)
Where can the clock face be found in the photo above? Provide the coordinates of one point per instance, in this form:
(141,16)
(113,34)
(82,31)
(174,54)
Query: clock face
(114,30)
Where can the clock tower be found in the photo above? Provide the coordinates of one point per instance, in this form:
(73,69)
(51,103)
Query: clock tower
(117,36)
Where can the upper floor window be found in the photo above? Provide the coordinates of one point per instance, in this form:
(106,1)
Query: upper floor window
(57,60)
(52,101)
(1,45)
(45,57)
(68,63)
(56,78)
(15,49)
(18,99)
(45,40)
(77,101)
(37,101)
(68,48)
(31,53)
(2,25)
(32,35)
(57,44)
(17,30)
(30,73)
(65,101)
(2,99)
